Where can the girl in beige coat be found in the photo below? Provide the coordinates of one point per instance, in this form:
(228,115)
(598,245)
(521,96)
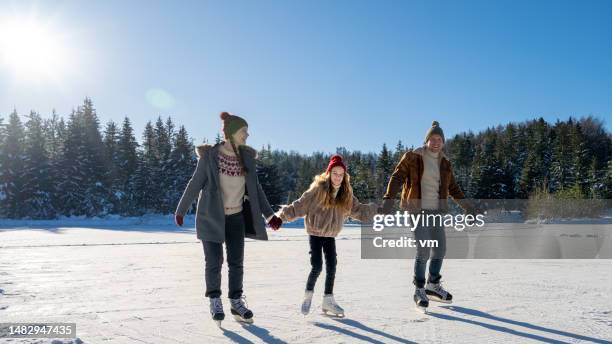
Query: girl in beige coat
(326,205)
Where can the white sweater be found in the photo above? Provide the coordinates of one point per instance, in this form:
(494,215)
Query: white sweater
(430,182)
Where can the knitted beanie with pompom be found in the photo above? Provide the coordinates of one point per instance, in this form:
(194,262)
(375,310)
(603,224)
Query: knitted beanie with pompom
(435,129)
(231,124)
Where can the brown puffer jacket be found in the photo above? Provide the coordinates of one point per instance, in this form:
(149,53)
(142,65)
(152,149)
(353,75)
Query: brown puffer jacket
(407,178)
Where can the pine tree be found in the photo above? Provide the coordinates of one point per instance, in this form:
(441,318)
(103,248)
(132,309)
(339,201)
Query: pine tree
(308,167)
(287,169)
(384,169)
(268,176)
(363,180)
(491,178)
(142,182)
(111,159)
(149,172)
(596,139)
(71,176)
(305,175)
(38,187)
(535,169)
(597,180)
(399,152)
(342,151)
(461,153)
(182,164)
(520,146)
(11,160)
(581,158)
(475,173)
(561,175)
(127,158)
(54,130)
(164,134)
(508,155)
(96,189)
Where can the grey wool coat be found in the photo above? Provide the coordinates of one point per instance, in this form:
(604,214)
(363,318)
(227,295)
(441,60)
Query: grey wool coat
(210,215)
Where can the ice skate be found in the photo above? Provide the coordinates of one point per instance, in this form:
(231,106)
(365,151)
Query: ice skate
(240,311)
(421,300)
(216,310)
(436,292)
(307,302)
(330,307)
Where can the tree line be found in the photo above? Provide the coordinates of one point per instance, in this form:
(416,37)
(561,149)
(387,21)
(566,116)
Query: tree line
(52,167)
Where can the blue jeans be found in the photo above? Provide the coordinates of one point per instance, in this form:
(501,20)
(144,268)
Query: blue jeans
(435,232)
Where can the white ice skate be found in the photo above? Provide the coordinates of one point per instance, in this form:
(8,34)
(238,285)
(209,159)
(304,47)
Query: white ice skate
(330,307)
(307,302)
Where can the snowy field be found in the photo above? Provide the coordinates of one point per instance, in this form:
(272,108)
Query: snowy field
(143,283)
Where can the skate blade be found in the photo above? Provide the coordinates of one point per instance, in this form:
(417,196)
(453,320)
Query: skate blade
(437,299)
(243,320)
(218,322)
(421,309)
(333,315)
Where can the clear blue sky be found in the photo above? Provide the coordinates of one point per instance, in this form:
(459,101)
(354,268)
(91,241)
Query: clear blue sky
(315,75)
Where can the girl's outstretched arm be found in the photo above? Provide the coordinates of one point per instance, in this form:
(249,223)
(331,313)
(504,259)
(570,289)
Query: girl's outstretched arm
(363,212)
(298,208)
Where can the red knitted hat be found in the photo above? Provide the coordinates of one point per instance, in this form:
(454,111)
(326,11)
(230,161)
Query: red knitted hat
(335,160)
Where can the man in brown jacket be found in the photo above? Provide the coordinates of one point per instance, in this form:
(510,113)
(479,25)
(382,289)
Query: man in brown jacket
(426,179)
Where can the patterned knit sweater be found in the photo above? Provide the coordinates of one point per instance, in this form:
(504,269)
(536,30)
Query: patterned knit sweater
(232,182)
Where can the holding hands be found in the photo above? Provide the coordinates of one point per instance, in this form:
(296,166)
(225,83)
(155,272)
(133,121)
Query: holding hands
(275,222)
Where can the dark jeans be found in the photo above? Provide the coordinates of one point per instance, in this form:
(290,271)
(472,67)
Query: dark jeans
(213,256)
(328,246)
(435,231)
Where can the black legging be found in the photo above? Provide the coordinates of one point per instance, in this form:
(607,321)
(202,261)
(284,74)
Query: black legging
(328,246)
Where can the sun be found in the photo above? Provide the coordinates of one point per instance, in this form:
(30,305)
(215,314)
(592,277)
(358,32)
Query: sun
(32,49)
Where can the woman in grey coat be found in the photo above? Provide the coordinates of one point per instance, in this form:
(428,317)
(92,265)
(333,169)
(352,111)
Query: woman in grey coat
(230,207)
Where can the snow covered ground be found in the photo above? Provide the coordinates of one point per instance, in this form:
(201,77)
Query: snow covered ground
(143,283)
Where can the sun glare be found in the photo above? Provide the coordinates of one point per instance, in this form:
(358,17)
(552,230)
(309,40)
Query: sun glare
(31,50)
